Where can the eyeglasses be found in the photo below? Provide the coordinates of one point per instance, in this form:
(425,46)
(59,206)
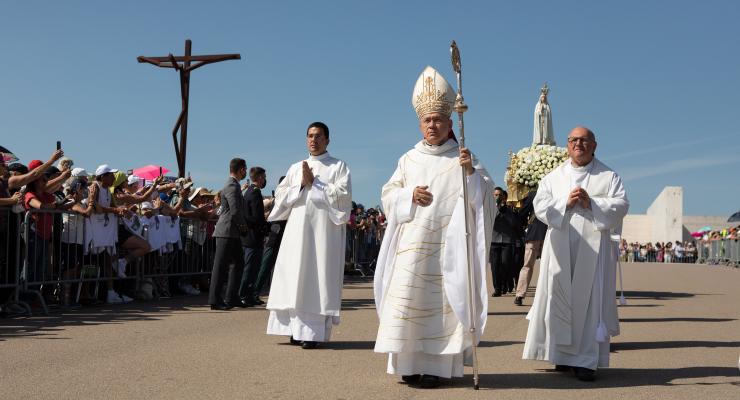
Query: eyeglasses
(573,140)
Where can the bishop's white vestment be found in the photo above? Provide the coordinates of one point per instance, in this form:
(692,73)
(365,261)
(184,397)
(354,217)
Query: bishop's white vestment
(421,279)
(306,291)
(574,310)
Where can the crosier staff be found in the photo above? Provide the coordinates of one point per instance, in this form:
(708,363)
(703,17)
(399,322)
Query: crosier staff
(460,107)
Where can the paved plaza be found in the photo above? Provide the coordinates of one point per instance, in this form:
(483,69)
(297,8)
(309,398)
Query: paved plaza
(680,340)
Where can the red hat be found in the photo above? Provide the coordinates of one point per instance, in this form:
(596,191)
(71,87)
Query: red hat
(34,164)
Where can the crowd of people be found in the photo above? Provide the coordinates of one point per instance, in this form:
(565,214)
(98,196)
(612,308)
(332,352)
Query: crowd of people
(688,251)
(111,219)
(662,252)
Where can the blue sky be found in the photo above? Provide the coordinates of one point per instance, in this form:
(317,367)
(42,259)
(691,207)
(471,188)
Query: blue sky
(657,81)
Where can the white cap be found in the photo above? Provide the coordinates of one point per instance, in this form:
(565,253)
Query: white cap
(104,169)
(195,193)
(79,172)
(432,94)
(147,206)
(183,183)
(133,179)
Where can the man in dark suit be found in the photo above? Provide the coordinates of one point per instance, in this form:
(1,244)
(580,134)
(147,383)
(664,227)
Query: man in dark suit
(230,226)
(533,240)
(503,239)
(254,240)
(272,246)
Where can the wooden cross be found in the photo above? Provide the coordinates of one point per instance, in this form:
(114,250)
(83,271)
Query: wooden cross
(185,65)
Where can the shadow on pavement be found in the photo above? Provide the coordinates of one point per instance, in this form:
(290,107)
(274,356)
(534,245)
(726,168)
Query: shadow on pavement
(676,344)
(347,345)
(679,319)
(486,343)
(356,304)
(639,294)
(46,326)
(507,313)
(606,378)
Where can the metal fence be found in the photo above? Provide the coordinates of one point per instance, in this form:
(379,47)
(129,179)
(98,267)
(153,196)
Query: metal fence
(720,252)
(46,258)
(10,258)
(58,264)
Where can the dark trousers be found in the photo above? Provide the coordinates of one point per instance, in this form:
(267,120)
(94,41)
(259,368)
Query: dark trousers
(268,263)
(252,261)
(502,259)
(228,255)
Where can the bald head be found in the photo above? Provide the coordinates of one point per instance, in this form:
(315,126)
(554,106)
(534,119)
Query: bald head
(583,129)
(581,145)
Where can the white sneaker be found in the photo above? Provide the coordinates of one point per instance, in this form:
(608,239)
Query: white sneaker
(126,299)
(114,298)
(121,270)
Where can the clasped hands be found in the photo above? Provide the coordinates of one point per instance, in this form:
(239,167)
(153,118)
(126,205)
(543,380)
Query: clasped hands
(579,196)
(307,179)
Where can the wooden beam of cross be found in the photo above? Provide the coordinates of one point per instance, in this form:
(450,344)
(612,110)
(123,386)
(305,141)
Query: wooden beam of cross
(184,65)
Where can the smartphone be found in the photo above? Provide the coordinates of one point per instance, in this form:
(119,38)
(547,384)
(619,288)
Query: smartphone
(59,144)
(160,171)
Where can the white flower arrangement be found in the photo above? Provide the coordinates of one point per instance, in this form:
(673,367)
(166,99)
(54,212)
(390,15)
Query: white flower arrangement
(529,165)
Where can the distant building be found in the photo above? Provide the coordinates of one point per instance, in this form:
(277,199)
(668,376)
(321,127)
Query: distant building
(664,220)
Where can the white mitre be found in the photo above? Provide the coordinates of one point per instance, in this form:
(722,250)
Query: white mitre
(432,94)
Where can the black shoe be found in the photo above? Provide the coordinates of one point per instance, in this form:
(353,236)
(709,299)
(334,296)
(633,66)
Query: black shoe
(245,303)
(257,302)
(563,368)
(294,342)
(429,382)
(411,379)
(518,300)
(496,293)
(221,306)
(309,345)
(585,374)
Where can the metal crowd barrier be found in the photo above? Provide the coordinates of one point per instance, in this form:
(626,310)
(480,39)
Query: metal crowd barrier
(57,266)
(10,256)
(722,252)
(362,254)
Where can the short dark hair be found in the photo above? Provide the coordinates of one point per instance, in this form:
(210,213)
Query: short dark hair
(236,164)
(256,172)
(499,188)
(321,125)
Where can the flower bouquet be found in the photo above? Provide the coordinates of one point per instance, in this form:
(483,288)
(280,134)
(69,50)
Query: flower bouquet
(528,166)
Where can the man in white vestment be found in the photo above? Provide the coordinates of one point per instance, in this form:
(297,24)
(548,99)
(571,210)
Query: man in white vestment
(421,279)
(316,199)
(574,311)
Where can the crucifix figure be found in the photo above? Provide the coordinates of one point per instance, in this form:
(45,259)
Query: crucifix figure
(184,65)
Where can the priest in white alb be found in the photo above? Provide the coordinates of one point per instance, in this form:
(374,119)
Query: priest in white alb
(574,311)
(421,278)
(315,198)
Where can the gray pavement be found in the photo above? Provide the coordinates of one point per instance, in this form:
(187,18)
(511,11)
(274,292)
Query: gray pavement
(680,340)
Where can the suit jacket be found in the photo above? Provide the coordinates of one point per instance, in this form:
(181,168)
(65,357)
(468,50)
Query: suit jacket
(255,216)
(507,226)
(536,229)
(232,222)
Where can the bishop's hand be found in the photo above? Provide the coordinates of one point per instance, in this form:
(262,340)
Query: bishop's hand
(466,160)
(307,179)
(421,196)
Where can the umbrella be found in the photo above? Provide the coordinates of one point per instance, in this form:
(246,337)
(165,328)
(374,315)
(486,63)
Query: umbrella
(705,229)
(7,156)
(734,217)
(150,172)
(697,234)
